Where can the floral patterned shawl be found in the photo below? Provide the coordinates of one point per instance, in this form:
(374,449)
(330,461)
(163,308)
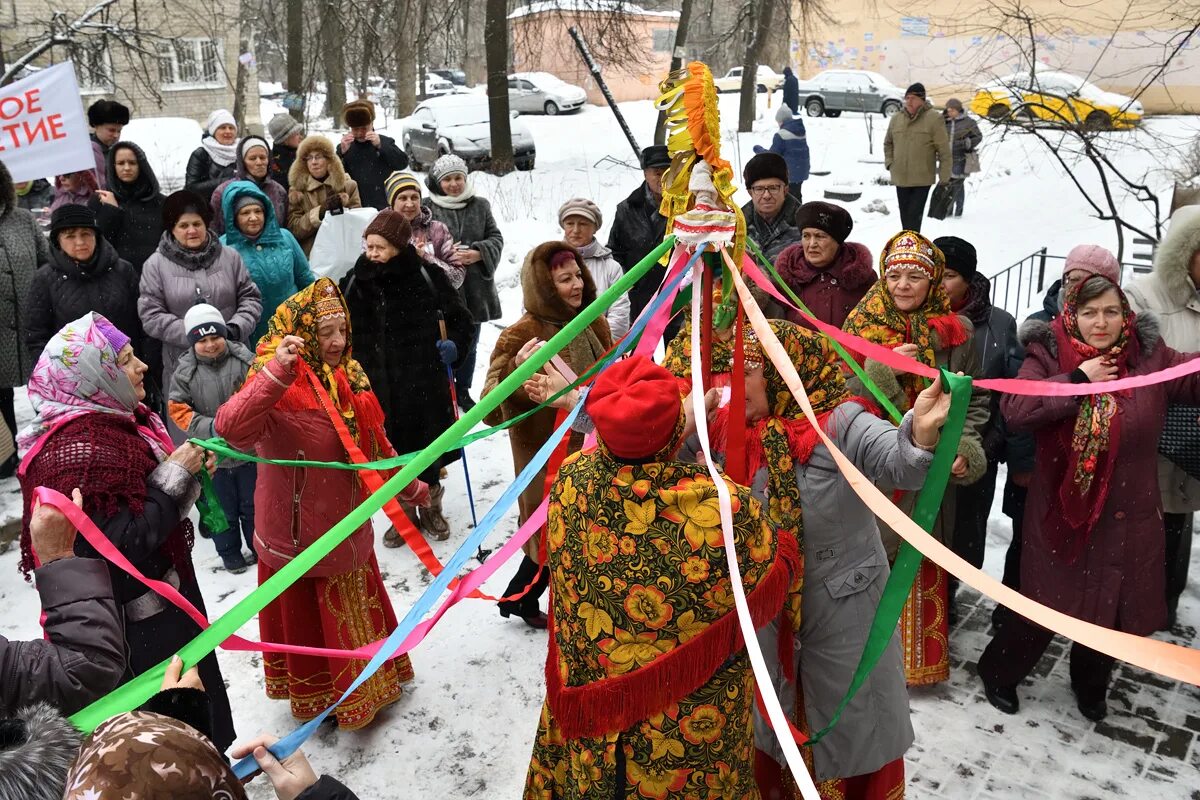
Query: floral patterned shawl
(77,374)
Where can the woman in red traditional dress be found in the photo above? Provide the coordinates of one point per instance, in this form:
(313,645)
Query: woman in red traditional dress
(908,310)
(305,375)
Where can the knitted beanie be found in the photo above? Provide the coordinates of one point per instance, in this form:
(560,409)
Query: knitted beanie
(218,118)
(112,334)
(71,216)
(765,166)
(248,143)
(358,113)
(397,182)
(282,126)
(204,320)
(1094,260)
(833,219)
(392,226)
(247,199)
(917,89)
(581,207)
(783,114)
(448,164)
(107,112)
(960,255)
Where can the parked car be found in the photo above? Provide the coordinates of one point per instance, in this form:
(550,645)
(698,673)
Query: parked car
(836,90)
(1056,97)
(435,86)
(768,80)
(459,123)
(543,93)
(455,76)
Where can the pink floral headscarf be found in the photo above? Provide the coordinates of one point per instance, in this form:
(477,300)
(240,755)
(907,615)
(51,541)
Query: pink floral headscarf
(77,374)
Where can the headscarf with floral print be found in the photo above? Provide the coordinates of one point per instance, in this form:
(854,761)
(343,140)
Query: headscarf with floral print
(1093,438)
(931,326)
(141,754)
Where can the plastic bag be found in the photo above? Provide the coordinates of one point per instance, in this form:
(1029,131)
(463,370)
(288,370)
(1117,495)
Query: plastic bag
(339,242)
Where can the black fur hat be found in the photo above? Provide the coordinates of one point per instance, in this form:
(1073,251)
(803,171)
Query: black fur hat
(107,112)
(37,747)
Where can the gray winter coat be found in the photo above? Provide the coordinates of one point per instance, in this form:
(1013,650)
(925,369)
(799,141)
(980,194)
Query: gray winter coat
(1000,355)
(83,656)
(23,249)
(845,569)
(168,289)
(200,385)
(474,226)
(1170,293)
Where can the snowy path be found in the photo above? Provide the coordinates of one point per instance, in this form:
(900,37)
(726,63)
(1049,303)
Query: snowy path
(465,726)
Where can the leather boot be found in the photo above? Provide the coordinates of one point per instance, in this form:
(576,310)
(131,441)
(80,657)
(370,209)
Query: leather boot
(432,520)
(392,537)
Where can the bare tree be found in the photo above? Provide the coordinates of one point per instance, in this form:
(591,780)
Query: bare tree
(295,55)
(762,12)
(60,31)
(496,37)
(681,35)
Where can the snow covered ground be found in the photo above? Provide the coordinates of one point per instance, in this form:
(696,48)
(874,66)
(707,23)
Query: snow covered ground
(465,726)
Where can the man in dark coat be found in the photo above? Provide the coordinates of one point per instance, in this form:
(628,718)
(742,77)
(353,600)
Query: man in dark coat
(369,157)
(82,657)
(638,228)
(791,90)
(286,134)
(1000,355)
(107,119)
(771,212)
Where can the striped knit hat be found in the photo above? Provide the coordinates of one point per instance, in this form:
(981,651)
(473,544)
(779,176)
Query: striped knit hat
(397,182)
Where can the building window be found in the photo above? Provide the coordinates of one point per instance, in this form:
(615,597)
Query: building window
(93,66)
(664,40)
(190,64)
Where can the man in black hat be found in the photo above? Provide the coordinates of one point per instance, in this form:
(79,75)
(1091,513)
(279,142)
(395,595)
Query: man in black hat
(916,150)
(771,212)
(107,118)
(638,228)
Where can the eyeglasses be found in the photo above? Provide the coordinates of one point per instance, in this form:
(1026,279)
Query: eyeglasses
(315,157)
(759,191)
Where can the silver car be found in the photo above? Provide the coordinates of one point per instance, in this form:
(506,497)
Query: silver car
(459,124)
(851,90)
(543,93)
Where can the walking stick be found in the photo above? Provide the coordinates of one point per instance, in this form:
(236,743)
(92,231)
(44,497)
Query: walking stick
(454,408)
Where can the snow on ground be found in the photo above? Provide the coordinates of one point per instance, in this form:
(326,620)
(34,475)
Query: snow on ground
(465,726)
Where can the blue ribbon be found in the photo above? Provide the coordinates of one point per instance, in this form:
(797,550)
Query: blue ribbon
(424,604)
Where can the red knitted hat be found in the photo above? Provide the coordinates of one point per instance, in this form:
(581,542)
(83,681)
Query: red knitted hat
(635,405)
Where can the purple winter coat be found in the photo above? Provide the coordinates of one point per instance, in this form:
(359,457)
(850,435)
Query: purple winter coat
(1118,580)
(439,246)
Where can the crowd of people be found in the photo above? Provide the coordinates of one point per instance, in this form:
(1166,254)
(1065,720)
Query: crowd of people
(145,320)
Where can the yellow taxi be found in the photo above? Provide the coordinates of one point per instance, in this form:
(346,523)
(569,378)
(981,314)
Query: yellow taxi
(1058,98)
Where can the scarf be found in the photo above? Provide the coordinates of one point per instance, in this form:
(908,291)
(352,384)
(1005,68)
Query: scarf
(933,325)
(446,201)
(1092,440)
(222,154)
(977,306)
(203,258)
(77,374)
(347,383)
(141,754)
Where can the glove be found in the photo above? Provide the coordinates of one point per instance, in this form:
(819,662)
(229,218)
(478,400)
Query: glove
(334,204)
(447,351)
(416,494)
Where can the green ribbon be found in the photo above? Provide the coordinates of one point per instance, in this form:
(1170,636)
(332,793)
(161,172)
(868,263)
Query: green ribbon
(867,383)
(212,516)
(137,691)
(908,560)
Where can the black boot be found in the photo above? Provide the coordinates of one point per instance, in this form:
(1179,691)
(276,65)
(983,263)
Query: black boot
(526,607)
(1003,698)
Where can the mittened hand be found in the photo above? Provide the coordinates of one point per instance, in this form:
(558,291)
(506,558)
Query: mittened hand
(448,351)
(417,494)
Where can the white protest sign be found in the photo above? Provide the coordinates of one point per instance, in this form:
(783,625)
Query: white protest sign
(43,130)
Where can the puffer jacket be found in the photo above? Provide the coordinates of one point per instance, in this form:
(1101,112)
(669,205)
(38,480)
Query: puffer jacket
(273,190)
(307,195)
(135,224)
(168,289)
(791,142)
(63,290)
(436,244)
(916,149)
(200,385)
(963,133)
(83,655)
(303,503)
(474,226)
(274,258)
(637,229)
(203,174)
(1170,293)
(22,249)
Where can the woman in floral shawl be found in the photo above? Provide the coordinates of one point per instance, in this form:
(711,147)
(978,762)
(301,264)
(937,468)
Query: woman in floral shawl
(92,431)
(908,311)
(306,398)
(649,690)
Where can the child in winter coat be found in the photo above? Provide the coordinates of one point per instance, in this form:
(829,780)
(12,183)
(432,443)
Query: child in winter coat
(206,376)
(791,142)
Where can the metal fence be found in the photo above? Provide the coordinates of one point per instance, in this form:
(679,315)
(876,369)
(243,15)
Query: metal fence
(1018,289)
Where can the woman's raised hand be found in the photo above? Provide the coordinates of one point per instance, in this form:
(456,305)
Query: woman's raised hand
(929,414)
(288,351)
(190,457)
(1100,368)
(527,350)
(908,350)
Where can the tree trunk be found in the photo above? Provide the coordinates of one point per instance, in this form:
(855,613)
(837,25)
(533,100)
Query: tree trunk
(681,33)
(406,64)
(764,12)
(295,55)
(370,44)
(243,72)
(496,36)
(473,45)
(335,60)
